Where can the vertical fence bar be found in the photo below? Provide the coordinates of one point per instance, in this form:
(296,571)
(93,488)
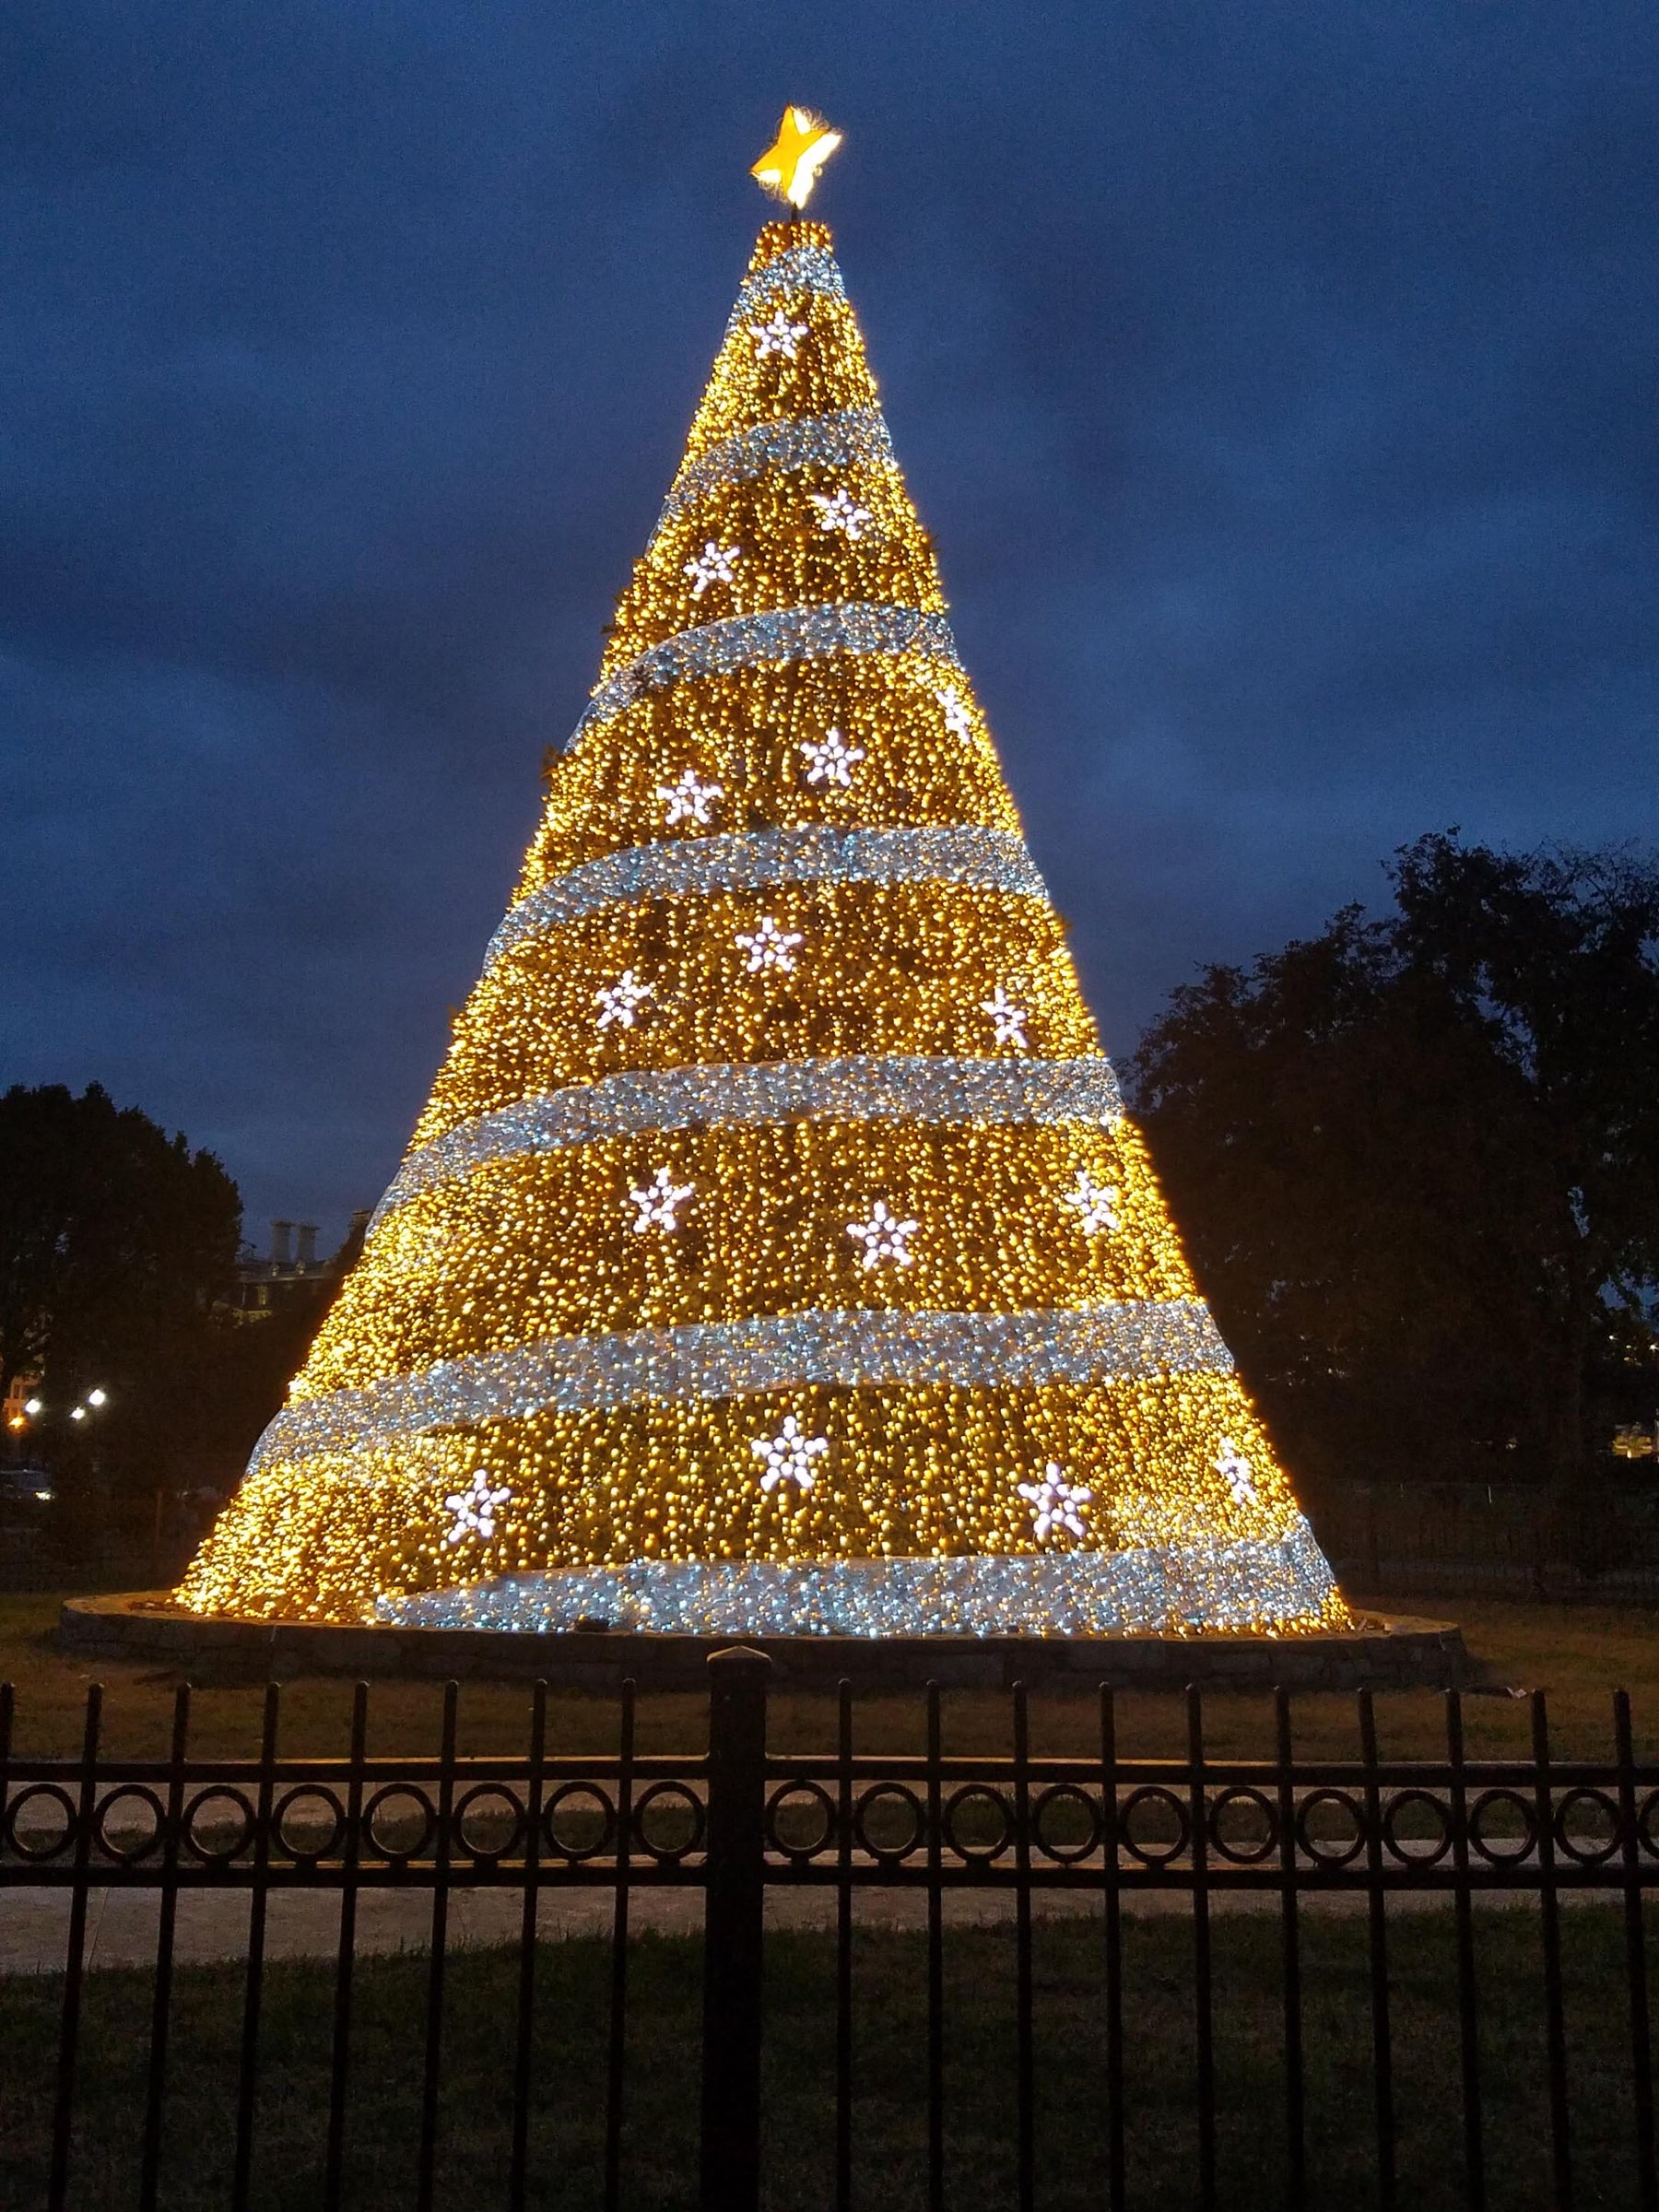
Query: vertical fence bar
(1296,2133)
(150,2166)
(6,1707)
(735,1879)
(425,2155)
(1468,2018)
(1113,1931)
(1376,1905)
(247,2084)
(936,1960)
(734,1940)
(1641,2052)
(1550,1929)
(1025,2026)
(1204,2027)
(345,1962)
(63,2117)
(524,2039)
(617,2038)
(844,1952)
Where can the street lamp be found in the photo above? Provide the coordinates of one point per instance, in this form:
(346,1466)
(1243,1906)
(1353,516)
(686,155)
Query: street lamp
(94,1401)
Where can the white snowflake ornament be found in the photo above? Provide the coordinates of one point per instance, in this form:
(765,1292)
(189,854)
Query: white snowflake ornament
(770,946)
(1009,1020)
(840,510)
(474,1511)
(788,1456)
(778,335)
(659,1202)
(1056,1503)
(1234,1470)
(884,1237)
(688,800)
(831,759)
(620,1002)
(958,719)
(1095,1204)
(716,564)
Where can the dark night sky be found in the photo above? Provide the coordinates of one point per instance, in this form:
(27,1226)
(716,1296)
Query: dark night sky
(1276,378)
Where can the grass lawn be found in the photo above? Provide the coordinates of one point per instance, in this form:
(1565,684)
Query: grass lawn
(889,2134)
(1579,1653)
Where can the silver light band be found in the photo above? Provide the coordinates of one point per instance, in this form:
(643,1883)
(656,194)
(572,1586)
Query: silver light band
(797,269)
(860,1088)
(853,438)
(1240,1585)
(992,860)
(784,634)
(1104,1343)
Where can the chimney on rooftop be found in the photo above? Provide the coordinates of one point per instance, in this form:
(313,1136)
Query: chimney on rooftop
(305,1250)
(280,1233)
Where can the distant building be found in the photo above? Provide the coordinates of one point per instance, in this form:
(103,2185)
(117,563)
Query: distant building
(20,1389)
(290,1273)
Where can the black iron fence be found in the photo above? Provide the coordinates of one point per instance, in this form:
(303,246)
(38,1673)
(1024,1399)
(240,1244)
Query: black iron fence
(1447,1963)
(1432,1539)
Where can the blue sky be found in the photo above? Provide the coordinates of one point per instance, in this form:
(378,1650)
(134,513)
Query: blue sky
(1275,379)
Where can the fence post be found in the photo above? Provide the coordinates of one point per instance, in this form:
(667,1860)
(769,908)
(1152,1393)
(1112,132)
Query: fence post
(733,1946)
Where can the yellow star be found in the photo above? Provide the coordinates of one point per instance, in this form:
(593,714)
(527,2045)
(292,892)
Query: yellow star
(789,169)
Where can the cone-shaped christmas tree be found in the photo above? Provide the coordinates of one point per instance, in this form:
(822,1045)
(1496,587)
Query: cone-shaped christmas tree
(775,1253)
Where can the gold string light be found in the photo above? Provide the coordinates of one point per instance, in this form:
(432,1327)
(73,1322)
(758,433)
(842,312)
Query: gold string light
(1021,1217)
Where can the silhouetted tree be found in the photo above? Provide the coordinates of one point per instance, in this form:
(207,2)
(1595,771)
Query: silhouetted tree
(116,1241)
(1417,1161)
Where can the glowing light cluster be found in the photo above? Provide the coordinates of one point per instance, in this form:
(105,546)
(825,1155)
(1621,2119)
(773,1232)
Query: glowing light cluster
(986,859)
(860,1087)
(1241,1585)
(940,952)
(745,723)
(772,1251)
(851,1349)
(537,1245)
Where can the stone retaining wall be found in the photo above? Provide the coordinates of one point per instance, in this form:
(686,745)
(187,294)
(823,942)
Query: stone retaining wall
(1388,1653)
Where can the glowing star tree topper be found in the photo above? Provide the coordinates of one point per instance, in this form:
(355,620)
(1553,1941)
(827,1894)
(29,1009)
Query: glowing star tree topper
(789,168)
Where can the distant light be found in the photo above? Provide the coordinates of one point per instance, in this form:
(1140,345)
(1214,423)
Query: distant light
(17,1421)
(44,1496)
(79,1413)
(97,1397)
(31,1406)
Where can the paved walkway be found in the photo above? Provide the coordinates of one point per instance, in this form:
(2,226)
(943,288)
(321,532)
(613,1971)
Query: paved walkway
(212,1924)
(120,1924)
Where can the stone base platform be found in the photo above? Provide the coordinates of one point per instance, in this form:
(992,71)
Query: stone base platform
(1385,1653)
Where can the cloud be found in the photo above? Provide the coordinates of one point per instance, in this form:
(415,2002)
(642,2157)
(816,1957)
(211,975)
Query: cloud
(1274,381)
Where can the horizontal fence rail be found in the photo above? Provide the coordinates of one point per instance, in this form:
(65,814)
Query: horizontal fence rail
(1299,1844)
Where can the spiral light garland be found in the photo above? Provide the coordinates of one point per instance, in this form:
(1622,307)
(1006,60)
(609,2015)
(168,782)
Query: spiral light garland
(773,1252)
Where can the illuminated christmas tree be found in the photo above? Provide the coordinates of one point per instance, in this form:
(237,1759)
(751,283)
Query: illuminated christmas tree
(773,1252)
